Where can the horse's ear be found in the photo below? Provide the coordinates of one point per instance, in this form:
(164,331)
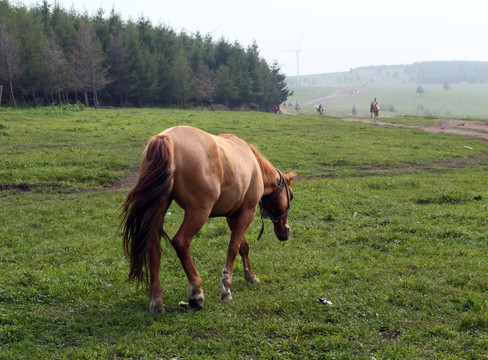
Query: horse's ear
(290,177)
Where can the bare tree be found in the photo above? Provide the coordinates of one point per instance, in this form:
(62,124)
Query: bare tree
(88,63)
(205,85)
(10,66)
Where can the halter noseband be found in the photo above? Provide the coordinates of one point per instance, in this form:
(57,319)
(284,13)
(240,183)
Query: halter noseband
(282,185)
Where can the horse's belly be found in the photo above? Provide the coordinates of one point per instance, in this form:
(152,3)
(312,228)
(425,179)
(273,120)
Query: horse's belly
(227,204)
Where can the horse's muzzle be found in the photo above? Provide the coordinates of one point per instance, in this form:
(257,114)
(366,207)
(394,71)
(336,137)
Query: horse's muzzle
(283,235)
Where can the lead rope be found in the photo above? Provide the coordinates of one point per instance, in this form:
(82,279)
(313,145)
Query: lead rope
(282,184)
(273,195)
(262,222)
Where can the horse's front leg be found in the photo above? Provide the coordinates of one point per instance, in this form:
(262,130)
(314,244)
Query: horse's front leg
(238,226)
(226,281)
(248,273)
(155,292)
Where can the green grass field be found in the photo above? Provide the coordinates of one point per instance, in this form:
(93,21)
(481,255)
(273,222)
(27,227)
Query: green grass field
(389,224)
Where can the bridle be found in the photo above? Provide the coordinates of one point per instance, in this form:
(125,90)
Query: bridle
(282,185)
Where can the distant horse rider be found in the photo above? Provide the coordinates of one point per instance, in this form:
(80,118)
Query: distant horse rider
(320,109)
(374,108)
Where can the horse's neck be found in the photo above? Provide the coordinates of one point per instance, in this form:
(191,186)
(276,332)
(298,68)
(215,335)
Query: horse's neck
(270,186)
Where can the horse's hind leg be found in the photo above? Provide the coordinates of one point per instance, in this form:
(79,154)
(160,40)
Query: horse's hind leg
(181,243)
(155,292)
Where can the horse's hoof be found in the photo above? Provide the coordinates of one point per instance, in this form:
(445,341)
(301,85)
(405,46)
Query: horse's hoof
(225,298)
(255,281)
(196,304)
(158,310)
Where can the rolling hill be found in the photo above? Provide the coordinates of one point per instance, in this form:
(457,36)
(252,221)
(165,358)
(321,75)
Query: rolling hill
(451,89)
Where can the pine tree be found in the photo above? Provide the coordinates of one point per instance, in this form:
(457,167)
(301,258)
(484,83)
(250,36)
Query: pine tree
(226,90)
(30,33)
(59,76)
(181,79)
(257,72)
(118,65)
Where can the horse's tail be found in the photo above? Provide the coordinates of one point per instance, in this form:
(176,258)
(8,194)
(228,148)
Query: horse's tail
(146,204)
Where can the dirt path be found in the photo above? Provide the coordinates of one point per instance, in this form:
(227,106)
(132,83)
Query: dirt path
(128,181)
(338,95)
(458,127)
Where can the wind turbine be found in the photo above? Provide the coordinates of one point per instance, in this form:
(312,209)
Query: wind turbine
(208,34)
(275,59)
(214,30)
(297,52)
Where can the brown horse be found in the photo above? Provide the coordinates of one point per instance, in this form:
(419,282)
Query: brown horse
(373,109)
(207,176)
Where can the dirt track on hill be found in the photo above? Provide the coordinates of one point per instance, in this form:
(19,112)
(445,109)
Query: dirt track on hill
(340,94)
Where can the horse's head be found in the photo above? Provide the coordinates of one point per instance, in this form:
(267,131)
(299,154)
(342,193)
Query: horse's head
(276,205)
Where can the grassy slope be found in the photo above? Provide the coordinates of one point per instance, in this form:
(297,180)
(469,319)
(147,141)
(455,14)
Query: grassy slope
(388,224)
(461,101)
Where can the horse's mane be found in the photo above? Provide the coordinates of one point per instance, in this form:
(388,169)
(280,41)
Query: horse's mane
(267,169)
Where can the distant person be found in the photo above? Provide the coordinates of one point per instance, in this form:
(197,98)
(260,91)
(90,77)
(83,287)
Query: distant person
(374,110)
(320,109)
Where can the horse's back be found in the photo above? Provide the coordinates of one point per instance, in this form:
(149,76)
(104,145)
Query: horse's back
(216,173)
(242,178)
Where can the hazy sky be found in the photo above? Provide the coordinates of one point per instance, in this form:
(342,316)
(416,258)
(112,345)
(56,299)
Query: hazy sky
(335,35)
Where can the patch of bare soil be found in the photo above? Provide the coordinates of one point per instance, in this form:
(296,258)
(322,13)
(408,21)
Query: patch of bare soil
(126,183)
(449,126)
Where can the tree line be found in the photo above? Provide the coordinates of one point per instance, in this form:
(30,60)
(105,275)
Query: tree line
(441,72)
(452,72)
(49,55)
